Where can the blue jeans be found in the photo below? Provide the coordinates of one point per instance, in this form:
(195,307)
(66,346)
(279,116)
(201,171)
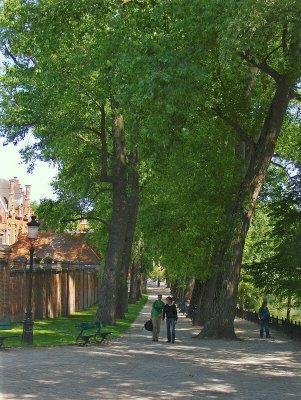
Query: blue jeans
(264,326)
(171,329)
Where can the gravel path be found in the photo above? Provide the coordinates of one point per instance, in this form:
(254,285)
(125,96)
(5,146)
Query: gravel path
(134,367)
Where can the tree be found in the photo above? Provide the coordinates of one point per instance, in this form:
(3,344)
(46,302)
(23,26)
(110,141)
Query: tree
(212,75)
(245,67)
(64,86)
(273,262)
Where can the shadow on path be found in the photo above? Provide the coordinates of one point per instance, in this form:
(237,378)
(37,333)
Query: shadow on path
(134,367)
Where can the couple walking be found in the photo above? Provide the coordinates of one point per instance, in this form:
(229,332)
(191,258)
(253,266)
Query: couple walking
(159,312)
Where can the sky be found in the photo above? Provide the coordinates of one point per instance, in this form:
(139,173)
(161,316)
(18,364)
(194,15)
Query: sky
(39,179)
(11,166)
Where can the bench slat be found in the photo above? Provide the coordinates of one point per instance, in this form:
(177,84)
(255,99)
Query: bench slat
(5,325)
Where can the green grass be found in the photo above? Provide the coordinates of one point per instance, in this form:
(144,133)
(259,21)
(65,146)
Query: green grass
(62,331)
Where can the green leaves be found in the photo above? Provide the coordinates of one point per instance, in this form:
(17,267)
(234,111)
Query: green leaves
(192,82)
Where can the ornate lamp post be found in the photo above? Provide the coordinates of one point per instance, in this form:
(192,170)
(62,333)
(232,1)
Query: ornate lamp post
(33,230)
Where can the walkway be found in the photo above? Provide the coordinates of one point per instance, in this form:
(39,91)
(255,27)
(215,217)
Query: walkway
(134,367)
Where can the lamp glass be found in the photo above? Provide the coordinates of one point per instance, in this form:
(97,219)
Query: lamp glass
(33,228)
(33,232)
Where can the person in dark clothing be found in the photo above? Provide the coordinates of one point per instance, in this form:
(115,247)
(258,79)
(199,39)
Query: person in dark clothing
(170,312)
(264,318)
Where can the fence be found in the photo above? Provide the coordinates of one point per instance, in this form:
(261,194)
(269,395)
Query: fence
(290,328)
(58,289)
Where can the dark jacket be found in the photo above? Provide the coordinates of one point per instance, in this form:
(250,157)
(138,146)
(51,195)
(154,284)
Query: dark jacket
(264,314)
(170,311)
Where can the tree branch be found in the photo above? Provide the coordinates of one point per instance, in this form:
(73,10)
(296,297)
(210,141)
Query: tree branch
(235,126)
(8,53)
(103,190)
(104,147)
(263,66)
(283,167)
(82,138)
(296,95)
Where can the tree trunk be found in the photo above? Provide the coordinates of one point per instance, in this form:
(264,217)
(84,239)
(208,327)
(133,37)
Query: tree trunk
(113,259)
(133,204)
(189,289)
(222,313)
(122,298)
(117,230)
(289,307)
(142,281)
(134,289)
(194,301)
(203,307)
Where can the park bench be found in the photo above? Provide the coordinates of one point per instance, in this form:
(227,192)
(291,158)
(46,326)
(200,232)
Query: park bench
(91,331)
(5,326)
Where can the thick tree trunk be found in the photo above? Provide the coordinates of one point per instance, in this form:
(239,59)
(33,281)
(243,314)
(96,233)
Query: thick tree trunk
(203,307)
(222,313)
(113,259)
(178,293)
(122,298)
(219,321)
(117,230)
(133,204)
(194,301)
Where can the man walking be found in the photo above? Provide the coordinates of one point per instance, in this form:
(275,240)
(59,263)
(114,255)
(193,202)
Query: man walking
(264,318)
(156,315)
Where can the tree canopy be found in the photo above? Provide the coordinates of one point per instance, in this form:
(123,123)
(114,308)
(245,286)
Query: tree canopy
(200,90)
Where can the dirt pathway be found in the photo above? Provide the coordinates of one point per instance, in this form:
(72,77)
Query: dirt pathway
(134,367)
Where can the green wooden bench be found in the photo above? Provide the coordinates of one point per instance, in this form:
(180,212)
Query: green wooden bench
(91,332)
(5,326)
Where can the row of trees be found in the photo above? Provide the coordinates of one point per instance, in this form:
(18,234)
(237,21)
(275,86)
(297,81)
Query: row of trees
(272,255)
(162,117)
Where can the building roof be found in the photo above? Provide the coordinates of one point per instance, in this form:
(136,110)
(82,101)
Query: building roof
(4,192)
(4,186)
(58,246)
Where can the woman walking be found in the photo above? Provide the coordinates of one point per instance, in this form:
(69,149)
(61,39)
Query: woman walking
(170,312)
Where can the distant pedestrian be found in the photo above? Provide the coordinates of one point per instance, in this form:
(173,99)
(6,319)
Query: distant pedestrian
(158,283)
(264,318)
(156,315)
(170,312)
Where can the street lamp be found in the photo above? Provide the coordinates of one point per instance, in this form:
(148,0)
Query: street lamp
(33,230)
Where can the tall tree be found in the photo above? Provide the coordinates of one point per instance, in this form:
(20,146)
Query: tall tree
(245,68)
(64,85)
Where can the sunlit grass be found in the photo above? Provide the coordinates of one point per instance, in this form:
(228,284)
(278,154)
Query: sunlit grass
(63,331)
(295,313)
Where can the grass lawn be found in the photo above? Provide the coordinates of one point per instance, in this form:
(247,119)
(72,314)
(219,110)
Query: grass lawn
(62,331)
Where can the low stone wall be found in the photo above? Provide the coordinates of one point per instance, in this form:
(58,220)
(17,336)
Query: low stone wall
(59,287)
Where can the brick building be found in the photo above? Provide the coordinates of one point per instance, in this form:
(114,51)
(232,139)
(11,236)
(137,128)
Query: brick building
(15,210)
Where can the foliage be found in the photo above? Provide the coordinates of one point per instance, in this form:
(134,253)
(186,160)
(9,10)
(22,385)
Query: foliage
(194,81)
(249,297)
(272,257)
(157,273)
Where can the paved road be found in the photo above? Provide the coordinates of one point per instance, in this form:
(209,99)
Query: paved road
(134,367)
